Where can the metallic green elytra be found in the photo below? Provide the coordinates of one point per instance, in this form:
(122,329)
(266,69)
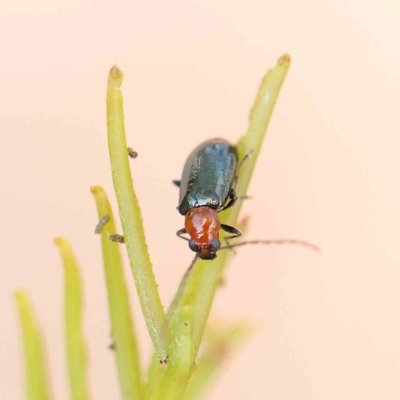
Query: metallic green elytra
(208,175)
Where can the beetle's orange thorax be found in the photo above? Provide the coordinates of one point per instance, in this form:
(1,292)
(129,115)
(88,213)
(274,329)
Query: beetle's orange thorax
(202,224)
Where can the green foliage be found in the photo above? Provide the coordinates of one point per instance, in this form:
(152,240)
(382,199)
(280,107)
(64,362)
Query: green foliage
(177,335)
(75,346)
(36,380)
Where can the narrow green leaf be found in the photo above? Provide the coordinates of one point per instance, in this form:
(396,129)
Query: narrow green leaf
(75,344)
(177,371)
(131,218)
(204,278)
(154,372)
(123,333)
(36,380)
(205,284)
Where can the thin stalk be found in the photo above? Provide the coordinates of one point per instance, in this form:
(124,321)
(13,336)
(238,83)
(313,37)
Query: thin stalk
(177,371)
(205,277)
(123,333)
(131,218)
(251,142)
(75,344)
(153,370)
(36,380)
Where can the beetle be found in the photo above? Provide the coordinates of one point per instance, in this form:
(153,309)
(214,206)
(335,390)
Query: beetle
(207,187)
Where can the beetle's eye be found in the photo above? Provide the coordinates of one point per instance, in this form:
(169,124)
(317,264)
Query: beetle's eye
(193,246)
(215,245)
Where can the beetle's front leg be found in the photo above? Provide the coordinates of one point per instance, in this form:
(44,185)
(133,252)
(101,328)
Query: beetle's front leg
(180,234)
(230,229)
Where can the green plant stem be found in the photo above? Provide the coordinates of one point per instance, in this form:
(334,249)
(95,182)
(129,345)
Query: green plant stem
(153,371)
(131,219)
(205,277)
(76,351)
(123,333)
(177,371)
(36,380)
(206,284)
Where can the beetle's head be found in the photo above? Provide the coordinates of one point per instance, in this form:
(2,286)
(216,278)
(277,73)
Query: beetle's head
(206,251)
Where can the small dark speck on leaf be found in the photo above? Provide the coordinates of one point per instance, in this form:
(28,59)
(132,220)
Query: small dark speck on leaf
(132,153)
(117,238)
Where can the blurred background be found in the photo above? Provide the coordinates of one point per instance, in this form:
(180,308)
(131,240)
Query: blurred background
(329,324)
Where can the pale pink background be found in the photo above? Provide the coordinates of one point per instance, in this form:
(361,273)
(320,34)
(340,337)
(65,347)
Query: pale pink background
(328,173)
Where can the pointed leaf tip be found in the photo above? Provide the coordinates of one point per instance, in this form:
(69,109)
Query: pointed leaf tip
(59,241)
(284,60)
(115,77)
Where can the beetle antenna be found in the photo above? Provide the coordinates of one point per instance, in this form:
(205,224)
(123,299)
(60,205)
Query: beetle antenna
(192,264)
(277,241)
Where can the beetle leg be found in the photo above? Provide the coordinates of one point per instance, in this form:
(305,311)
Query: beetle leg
(235,183)
(228,246)
(177,183)
(232,199)
(243,160)
(182,232)
(230,229)
(235,233)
